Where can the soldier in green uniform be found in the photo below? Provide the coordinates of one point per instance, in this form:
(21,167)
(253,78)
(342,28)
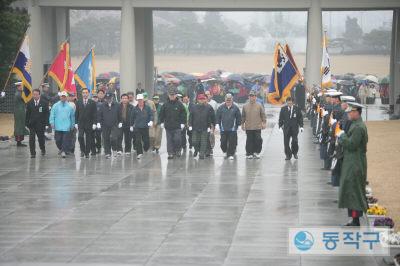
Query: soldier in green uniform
(19,116)
(354,168)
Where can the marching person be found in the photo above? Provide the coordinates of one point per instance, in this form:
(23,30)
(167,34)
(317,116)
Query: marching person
(97,133)
(71,101)
(110,123)
(19,116)
(142,119)
(125,110)
(253,121)
(200,123)
(37,119)
(173,119)
(85,122)
(62,120)
(185,131)
(290,121)
(211,134)
(353,175)
(228,119)
(156,130)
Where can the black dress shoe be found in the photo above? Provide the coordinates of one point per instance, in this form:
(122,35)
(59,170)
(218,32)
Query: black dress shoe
(33,156)
(87,156)
(195,153)
(288,158)
(43,153)
(82,155)
(19,144)
(295,156)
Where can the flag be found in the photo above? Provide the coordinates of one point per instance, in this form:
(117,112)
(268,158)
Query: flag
(22,68)
(85,74)
(60,68)
(70,84)
(325,66)
(283,77)
(291,58)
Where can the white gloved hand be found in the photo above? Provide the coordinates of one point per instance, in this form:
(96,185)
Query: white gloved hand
(131,129)
(59,94)
(94,126)
(190,128)
(3,93)
(47,127)
(208,130)
(76,126)
(280,130)
(182,126)
(314,101)
(217,127)
(98,126)
(150,124)
(119,125)
(333,121)
(162,125)
(325,113)
(341,132)
(301,130)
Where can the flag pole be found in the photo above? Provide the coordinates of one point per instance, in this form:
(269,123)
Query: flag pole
(15,60)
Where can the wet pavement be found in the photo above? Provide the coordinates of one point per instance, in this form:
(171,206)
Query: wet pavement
(165,212)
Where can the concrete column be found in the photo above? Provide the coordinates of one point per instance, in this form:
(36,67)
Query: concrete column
(392,60)
(314,45)
(128,50)
(144,48)
(35,37)
(395,89)
(61,23)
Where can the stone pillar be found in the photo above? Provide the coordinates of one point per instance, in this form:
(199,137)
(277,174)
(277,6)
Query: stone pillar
(127,57)
(61,23)
(314,45)
(394,90)
(35,42)
(144,48)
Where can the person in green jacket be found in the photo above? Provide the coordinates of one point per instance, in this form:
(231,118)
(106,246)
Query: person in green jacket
(353,176)
(19,116)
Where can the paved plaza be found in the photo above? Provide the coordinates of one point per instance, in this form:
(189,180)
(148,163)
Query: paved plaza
(165,212)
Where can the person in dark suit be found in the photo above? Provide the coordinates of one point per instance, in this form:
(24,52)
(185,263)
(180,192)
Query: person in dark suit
(37,119)
(85,119)
(290,121)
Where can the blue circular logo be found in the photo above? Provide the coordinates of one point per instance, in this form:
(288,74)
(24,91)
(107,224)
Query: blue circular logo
(303,240)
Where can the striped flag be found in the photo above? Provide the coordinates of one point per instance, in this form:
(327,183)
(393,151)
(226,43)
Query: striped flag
(326,66)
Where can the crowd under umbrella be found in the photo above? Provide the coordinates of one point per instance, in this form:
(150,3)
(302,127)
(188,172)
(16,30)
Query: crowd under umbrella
(371,78)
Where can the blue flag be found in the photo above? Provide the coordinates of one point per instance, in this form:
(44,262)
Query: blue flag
(85,74)
(284,76)
(22,68)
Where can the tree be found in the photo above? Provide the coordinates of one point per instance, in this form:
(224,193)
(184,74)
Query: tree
(378,40)
(13,25)
(353,32)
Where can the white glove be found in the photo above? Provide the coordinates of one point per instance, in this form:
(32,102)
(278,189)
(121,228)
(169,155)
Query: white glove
(59,94)
(190,128)
(301,130)
(150,124)
(47,127)
(3,93)
(98,126)
(94,126)
(182,126)
(314,101)
(280,130)
(208,130)
(341,132)
(131,129)
(76,126)
(217,127)
(325,113)
(119,125)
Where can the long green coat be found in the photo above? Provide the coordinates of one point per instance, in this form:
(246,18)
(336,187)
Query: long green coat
(19,115)
(354,168)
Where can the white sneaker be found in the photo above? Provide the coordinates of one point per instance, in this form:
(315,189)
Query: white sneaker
(139,156)
(249,156)
(231,158)
(108,156)
(63,154)
(127,153)
(256,156)
(119,152)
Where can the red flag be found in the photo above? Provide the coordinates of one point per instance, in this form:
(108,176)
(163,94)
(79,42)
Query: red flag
(70,85)
(60,67)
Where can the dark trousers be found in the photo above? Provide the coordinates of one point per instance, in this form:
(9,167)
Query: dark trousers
(290,133)
(39,132)
(85,139)
(126,135)
(189,134)
(142,140)
(97,141)
(173,140)
(253,141)
(110,138)
(183,140)
(72,140)
(229,142)
(200,141)
(62,139)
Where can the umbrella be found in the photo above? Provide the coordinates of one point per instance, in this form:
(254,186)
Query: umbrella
(359,77)
(371,79)
(385,80)
(235,77)
(345,82)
